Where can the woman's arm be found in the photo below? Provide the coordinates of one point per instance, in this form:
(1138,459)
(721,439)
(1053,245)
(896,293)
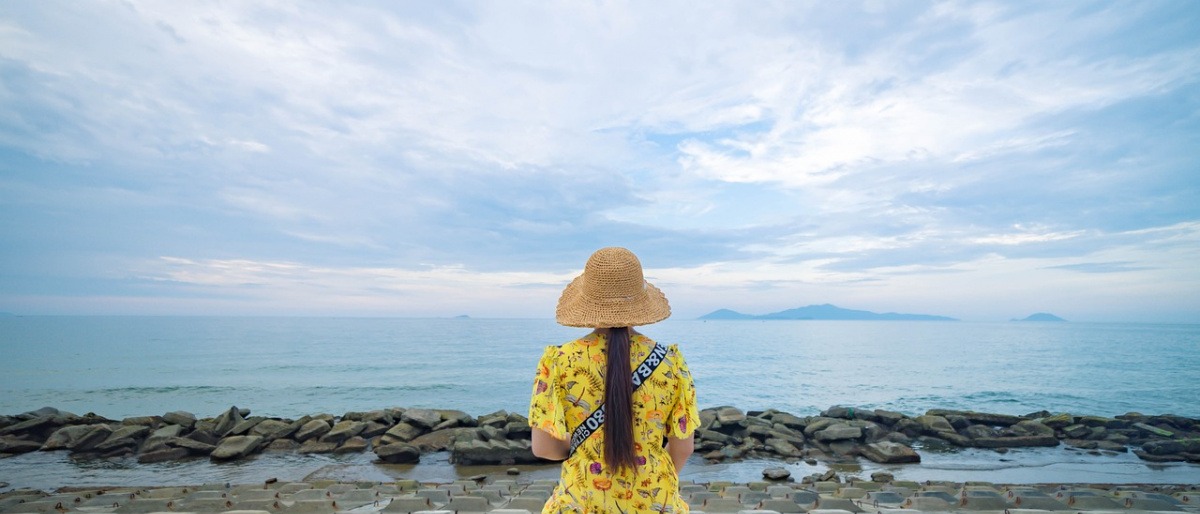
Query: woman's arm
(680,450)
(547,447)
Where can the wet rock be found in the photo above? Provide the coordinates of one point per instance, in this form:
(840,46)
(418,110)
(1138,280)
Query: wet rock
(890,453)
(204,436)
(979,418)
(1014,442)
(980,431)
(496,419)
(776,473)
(398,453)
(123,438)
(1168,447)
(818,424)
(184,419)
(958,422)
(316,446)
(710,435)
(342,431)
(423,418)
(790,421)
(355,444)
(1058,421)
(838,432)
(313,429)
(283,445)
(492,453)
(374,429)
(271,429)
(402,432)
(888,417)
(382,417)
(244,427)
(150,421)
(1028,428)
(158,438)
(14,445)
(193,446)
(934,424)
(784,448)
(86,442)
(1153,430)
(65,437)
(908,427)
(1077,431)
(236,447)
(162,455)
(729,416)
(226,421)
(440,440)
(518,430)
(453,419)
(882,477)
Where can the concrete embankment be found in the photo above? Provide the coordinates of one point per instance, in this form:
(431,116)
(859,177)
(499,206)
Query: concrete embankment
(508,494)
(403,435)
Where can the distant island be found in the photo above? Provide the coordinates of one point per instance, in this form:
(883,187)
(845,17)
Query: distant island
(825,312)
(1040,316)
(461,316)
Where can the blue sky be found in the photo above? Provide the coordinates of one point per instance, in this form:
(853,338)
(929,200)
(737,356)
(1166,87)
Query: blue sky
(977,160)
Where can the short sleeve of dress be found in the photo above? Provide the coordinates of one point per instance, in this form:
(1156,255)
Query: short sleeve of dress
(545,409)
(684,415)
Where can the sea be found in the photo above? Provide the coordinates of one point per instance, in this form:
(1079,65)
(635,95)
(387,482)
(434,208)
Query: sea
(288,367)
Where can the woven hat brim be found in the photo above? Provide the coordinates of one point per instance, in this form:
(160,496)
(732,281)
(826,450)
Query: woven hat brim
(576,310)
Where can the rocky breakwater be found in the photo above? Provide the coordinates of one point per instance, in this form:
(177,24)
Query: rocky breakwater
(396,435)
(400,435)
(890,437)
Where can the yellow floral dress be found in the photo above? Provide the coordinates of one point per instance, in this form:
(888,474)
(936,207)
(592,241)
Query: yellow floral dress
(570,385)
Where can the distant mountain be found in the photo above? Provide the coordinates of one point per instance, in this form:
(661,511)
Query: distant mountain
(726,314)
(1041,316)
(826,312)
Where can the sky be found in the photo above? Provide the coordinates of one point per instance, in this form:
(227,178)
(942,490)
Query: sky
(979,160)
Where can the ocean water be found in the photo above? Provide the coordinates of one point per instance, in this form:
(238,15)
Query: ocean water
(130,366)
(288,367)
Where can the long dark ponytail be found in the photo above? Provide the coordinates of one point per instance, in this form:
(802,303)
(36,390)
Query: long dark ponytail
(618,402)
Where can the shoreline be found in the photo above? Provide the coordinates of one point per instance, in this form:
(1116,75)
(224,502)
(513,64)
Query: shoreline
(441,445)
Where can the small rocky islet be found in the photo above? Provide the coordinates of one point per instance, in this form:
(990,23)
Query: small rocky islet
(403,435)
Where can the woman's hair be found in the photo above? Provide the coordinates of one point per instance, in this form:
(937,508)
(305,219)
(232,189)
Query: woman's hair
(618,402)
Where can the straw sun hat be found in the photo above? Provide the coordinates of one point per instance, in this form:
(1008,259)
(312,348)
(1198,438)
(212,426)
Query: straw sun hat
(611,292)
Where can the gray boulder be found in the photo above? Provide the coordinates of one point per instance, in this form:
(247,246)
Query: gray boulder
(272,429)
(184,419)
(729,416)
(236,447)
(343,431)
(315,446)
(65,437)
(312,429)
(500,452)
(784,448)
(402,432)
(838,432)
(227,420)
(398,453)
(423,418)
(934,424)
(776,473)
(86,442)
(886,452)
(14,445)
(193,446)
